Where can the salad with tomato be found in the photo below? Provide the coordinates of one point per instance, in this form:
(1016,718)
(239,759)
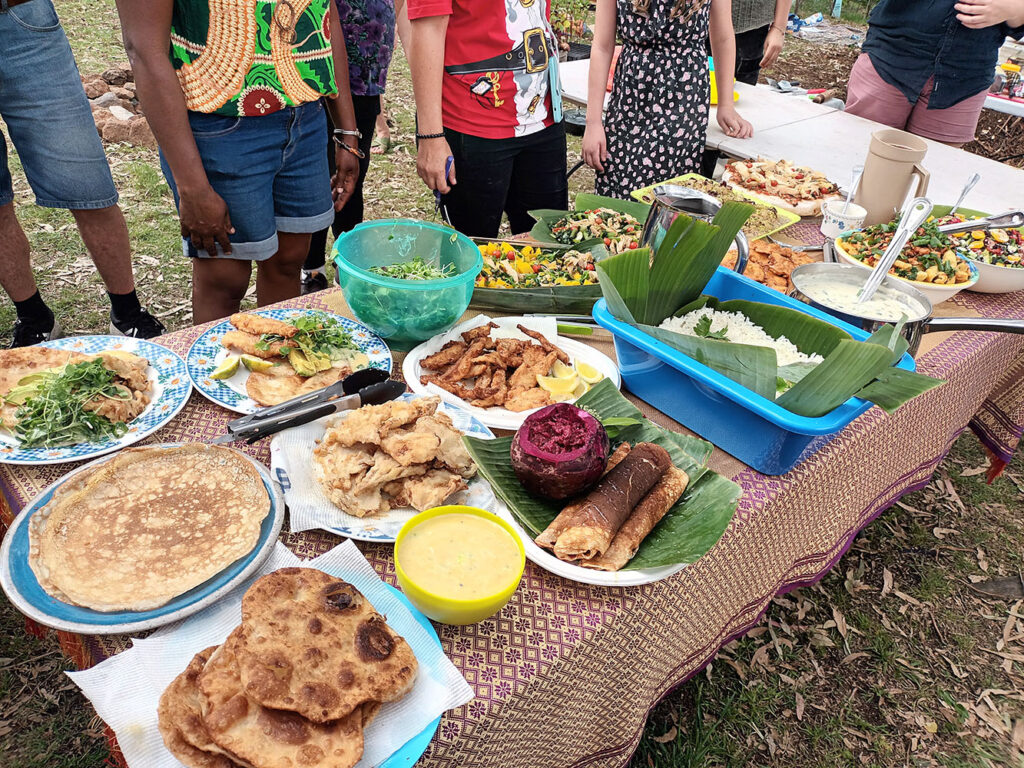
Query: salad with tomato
(618,231)
(1000,247)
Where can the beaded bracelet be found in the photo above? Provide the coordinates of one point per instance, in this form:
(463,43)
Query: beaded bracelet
(422,136)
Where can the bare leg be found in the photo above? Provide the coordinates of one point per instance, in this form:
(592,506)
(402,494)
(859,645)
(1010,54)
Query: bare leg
(15,265)
(106,238)
(218,287)
(278,278)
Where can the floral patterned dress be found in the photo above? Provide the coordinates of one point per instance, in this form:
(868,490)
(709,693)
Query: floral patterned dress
(369,29)
(657,118)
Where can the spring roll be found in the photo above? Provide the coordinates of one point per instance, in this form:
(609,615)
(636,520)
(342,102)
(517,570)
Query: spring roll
(550,534)
(647,514)
(594,524)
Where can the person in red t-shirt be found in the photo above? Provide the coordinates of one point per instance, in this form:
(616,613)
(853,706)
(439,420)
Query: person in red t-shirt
(485,75)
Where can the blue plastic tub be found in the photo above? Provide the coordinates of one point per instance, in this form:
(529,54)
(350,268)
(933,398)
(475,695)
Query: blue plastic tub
(752,428)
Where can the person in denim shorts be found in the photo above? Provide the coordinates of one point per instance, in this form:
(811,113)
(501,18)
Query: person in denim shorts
(50,124)
(239,111)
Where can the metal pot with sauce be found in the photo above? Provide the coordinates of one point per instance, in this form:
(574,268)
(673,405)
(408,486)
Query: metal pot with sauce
(833,288)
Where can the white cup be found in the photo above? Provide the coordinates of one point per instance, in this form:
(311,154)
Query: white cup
(834,222)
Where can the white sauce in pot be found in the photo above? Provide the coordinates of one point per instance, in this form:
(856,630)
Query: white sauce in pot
(887,305)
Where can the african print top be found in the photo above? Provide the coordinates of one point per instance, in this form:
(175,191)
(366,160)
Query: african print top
(369,29)
(249,57)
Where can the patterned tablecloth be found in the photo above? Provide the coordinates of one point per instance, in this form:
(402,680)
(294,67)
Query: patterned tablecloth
(566,674)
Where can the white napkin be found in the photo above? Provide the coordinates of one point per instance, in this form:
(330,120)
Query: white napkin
(291,464)
(125,689)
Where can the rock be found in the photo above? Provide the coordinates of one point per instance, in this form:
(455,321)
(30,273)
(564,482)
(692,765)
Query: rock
(130,87)
(95,86)
(118,75)
(106,99)
(101,118)
(140,134)
(116,130)
(121,113)
(123,93)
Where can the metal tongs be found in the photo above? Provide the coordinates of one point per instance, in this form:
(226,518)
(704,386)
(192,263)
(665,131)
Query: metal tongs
(1008,220)
(370,386)
(913,216)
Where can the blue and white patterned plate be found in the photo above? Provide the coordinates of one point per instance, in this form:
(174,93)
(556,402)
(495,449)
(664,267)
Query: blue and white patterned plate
(22,588)
(206,353)
(291,464)
(170,391)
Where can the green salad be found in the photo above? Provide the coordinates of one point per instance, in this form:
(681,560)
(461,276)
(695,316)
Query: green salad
(415,269)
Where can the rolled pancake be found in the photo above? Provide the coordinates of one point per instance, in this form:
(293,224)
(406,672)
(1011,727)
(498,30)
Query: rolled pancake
(269,738)
(595,522)
(648,513)
(180,720)
(312,644)
(147,525)
(550,535)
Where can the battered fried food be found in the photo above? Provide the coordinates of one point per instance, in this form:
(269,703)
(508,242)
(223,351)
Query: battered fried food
(243,342)
(545,344)
(258,325)
(771,264)
(449,353)
(399,454)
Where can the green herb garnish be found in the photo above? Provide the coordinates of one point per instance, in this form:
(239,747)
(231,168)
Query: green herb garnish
(52,406)
(703,329)
(416,269)
(319,335)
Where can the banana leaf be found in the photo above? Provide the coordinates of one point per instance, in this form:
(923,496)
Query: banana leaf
(547,218)
(687,531)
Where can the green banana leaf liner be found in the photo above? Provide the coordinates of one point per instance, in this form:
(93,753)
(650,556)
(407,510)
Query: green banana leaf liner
(547,218)
(693,525)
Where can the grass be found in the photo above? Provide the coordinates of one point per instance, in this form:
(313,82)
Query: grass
(903,686)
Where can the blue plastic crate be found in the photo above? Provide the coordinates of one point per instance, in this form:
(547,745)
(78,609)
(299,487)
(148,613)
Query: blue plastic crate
(752,428)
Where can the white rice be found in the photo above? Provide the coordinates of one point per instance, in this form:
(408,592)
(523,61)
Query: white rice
(740,330)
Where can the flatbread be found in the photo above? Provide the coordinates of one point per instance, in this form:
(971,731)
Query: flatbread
(786,173)
(146,526)
(269,738)
(312,644)
(181,724)
(281,383)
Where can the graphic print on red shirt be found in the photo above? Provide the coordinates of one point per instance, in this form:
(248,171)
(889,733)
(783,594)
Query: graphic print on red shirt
(496,65)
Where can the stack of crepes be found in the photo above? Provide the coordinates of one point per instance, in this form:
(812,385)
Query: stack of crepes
(294,685)
(604,530)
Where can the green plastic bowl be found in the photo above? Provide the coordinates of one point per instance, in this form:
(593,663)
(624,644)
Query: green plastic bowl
(406,312)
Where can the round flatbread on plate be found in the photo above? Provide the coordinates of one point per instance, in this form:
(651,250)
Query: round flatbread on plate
(206,353)
(22,586)
(498,417)
(802,208)
(170,388)
(291,462)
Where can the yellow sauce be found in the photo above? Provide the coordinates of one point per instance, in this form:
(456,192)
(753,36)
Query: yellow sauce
(460,556)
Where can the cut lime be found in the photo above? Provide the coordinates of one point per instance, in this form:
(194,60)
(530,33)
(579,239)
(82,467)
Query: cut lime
(562,371)
(588,373)
(254,363)
(227,368)
(558,386)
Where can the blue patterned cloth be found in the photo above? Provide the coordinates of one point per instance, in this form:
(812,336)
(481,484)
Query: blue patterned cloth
(369,27)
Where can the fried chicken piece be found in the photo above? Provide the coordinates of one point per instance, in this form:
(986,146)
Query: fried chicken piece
(372,423)
(780,265)
(258,325)
(460,370)
(412,446)
(448,354)
(458,389)
(473,334)
(803,257)
(511,351)
(535,363)
(526,400)
(778,282)
(547,345)
(754,271)
(729,262)
(246,344)
(450,451)
(427,491)
(495,393)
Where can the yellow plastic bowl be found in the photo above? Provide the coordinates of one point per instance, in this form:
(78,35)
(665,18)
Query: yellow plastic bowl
(451,610)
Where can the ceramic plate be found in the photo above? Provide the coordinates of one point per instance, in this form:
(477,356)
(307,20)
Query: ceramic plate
(20,584)
(206,353)
(170,391)
(291,465)
(499,418)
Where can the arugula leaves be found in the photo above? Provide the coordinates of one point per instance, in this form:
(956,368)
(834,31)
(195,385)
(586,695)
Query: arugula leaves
(416,269)
(319,334)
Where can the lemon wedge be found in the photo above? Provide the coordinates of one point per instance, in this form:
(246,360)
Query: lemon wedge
(557,386)
(227,368)
(588,373)
(562,371)
(253,363)
(581,389)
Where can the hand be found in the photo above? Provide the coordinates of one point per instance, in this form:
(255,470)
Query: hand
(431,158)
(205,220)
(595,146)
(772,46)
(732,124)
(343,183)
(977,14)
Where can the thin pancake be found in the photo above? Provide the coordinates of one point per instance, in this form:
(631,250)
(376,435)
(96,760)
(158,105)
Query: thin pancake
(281,383)
(147,525)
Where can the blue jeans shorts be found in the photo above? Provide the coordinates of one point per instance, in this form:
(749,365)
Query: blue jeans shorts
(48,115)
(270,170)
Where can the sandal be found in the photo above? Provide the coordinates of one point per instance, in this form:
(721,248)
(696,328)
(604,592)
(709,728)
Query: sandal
(381,145)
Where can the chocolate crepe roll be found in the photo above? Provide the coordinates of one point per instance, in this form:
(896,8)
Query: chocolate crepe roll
(648,513)
(604,510)
(550,534)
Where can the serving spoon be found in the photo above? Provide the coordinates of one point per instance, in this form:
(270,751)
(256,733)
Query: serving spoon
(858,170)
(913,216)
(971,183)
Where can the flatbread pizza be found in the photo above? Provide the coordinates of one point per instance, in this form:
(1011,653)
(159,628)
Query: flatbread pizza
(782,184)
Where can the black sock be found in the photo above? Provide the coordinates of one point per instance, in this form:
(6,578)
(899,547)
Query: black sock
(34,311)
(124,305)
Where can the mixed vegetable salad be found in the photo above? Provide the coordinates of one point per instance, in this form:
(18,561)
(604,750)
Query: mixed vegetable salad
(618,231)
(506,266)
(1001,247)
(415,269)
(929,257)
